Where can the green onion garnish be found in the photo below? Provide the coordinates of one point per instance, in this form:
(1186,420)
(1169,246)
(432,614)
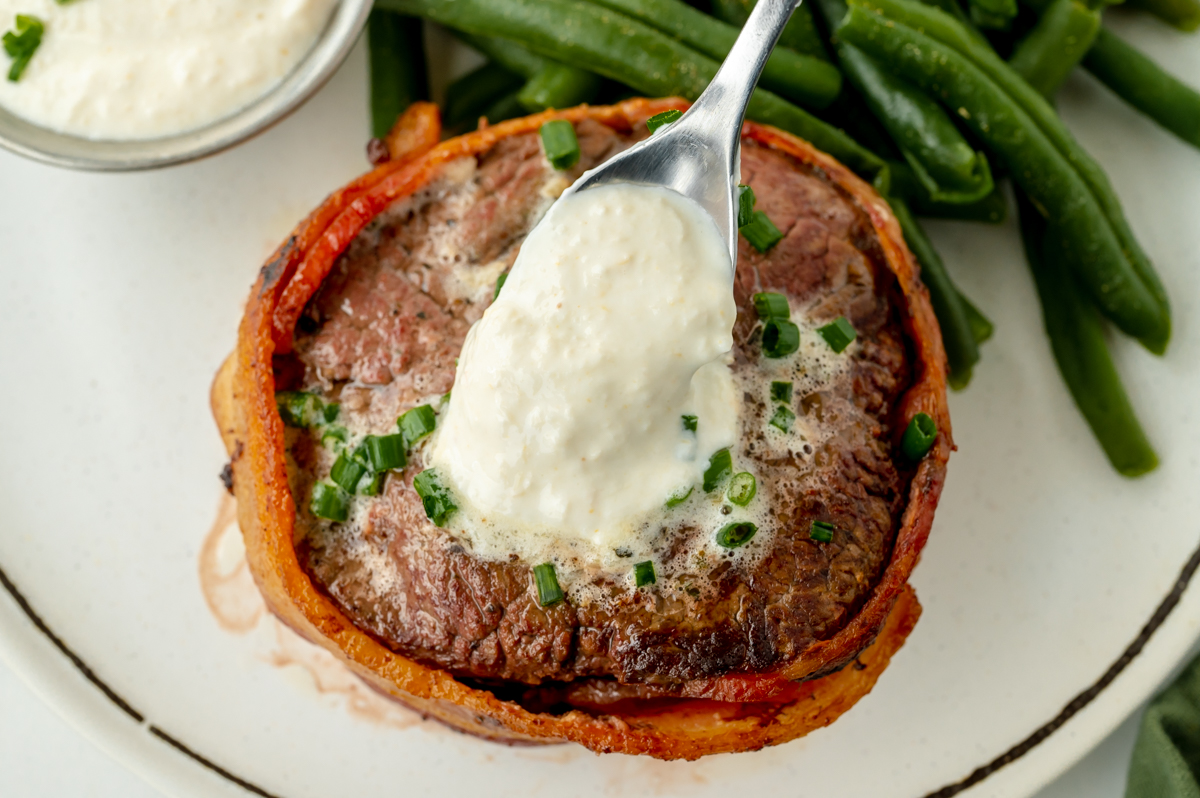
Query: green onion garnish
(918,437)
(370,484)
(742,488)
(771,306)
(334,433)
(22,42)
(780,338)
(434,496)
(679,497)
(690,423)
(643,574)
(499,284)
(783,418)
(720,465)
(346,472)
(761,232)
(665,118)
(329,413)
(781,392)
(839,334)
(415,424)
(821,531)
(385,452)
(549,591)
(299,408)
(560,143)
(746,200)
(736,534)
(330,502)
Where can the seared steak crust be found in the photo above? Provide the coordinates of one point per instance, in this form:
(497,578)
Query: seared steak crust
(382,334)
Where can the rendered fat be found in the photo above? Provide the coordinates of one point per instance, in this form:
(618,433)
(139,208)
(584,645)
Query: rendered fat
(566,414)
(130,69)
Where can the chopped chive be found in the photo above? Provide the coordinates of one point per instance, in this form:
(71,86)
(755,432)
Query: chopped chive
(839,334)
(742,488)
(918,437)
(546,580)
(370,484)
(329,413)
(761,232)
(771,306)
(336,433)
(821,531)
(783,418)
(22,42)
(663,119)
(560,143)
(746,201)
(720,465)
(434,496)
(415,424)
(330,502)
(385,452)
(346,472)
(781,392)
(736,534)
(499,284)
(643,574)
(298,408)
(679,497)
(690,423)
(780,338)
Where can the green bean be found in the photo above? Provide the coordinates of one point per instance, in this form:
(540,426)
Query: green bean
(993,14)
(949,168)
(1183,14)
(800,34)
(1056,45)
(962,353)
(475,93)
(559,86)
(630,52)
(800,78)
(981,326)
(1076,335)
(551,84)
(1021,127)
(992,209)
(506,107)
(397,58)
(952,8)
(507,54)
(1146,86)
(944,29)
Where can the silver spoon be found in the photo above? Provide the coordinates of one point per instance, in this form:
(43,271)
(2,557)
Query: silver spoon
(699,155)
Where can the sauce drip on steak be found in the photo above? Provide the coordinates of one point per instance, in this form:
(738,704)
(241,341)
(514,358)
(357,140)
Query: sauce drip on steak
(383,332)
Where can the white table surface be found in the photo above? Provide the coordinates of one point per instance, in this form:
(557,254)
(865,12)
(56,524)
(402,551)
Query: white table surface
(42,756)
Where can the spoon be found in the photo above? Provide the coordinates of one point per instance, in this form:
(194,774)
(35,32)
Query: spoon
(699,155)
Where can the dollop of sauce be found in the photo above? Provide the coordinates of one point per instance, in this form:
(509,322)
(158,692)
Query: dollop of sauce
(128,70)
(566,417)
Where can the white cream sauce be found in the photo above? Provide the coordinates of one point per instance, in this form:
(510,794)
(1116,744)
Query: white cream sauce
(131,69)
(566,415)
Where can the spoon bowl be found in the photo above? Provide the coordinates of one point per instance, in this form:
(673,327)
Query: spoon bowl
(699,155)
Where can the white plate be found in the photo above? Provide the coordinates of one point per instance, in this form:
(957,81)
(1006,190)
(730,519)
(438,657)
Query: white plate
(120,294)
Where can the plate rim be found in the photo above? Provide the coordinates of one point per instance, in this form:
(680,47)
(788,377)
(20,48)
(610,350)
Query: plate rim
(136,746)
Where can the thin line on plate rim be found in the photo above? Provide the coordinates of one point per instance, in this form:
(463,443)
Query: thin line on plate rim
(1039,735)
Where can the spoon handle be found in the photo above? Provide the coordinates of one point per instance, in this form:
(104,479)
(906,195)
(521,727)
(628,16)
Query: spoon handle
(718,112)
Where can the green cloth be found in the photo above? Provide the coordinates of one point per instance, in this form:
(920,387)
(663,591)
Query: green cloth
(1166,757)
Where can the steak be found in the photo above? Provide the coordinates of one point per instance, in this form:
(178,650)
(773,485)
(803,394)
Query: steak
(382,335)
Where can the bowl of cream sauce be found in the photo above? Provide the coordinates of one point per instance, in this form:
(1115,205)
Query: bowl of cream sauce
(121,85)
